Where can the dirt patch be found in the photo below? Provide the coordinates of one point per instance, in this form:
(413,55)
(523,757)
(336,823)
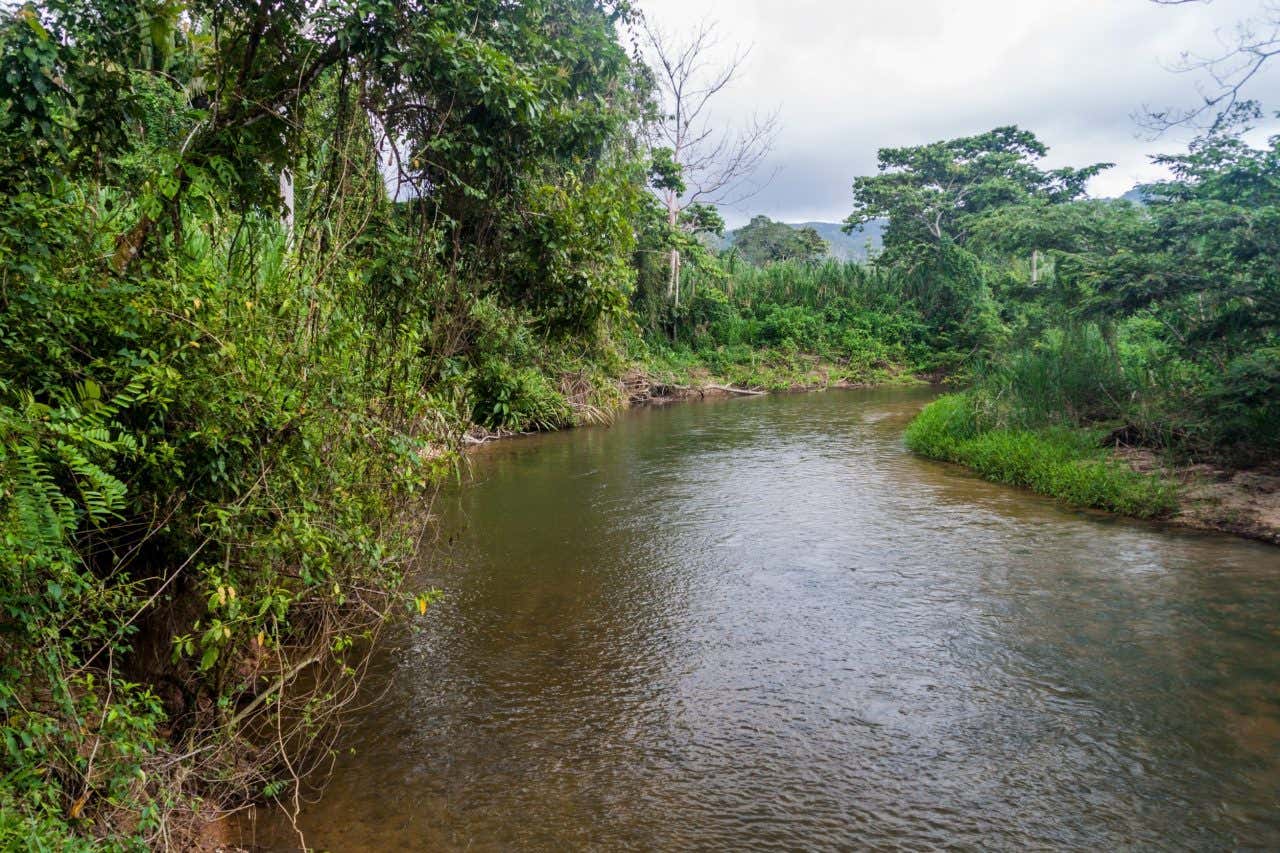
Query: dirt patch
(1243,502)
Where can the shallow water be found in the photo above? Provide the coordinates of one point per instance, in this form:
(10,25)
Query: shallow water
(761,624)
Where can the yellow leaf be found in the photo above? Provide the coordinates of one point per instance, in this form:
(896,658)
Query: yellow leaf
(78,806)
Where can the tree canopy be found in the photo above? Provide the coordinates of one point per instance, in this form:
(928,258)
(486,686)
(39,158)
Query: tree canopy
(763,241)
(932,193)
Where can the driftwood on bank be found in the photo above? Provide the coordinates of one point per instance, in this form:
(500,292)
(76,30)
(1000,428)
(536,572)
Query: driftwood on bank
(732,390)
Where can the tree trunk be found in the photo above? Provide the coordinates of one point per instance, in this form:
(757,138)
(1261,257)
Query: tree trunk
(286,200)
(673,273)
(673,285)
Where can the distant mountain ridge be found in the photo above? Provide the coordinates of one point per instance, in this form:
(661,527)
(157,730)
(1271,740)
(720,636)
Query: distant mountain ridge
(845,247)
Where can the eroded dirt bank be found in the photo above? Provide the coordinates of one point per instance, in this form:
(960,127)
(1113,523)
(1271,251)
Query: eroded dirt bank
(1242,502)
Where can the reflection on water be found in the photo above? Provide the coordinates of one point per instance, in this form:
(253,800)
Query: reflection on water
(761,624)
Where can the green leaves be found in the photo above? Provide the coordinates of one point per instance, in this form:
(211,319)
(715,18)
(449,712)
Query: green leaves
(217,429)
(37,113)
(931,193)
(665,172)
(764,241)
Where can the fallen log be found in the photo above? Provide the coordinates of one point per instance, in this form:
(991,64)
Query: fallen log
(732,390)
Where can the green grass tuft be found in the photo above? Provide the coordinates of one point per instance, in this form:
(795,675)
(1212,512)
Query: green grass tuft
(1067,464)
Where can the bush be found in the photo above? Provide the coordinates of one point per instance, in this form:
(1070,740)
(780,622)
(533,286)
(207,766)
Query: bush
(517,398)
(1241,406)
(204,482)
(793,325)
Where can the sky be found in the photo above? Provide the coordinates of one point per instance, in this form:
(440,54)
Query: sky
(851,76)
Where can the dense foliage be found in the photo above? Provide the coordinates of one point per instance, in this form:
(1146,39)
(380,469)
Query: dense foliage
(264,265)
(1161,319)
(1154,325)
(260,267)
(763,241)
(796,324)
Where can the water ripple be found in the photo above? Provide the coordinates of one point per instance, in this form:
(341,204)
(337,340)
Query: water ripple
(762,625)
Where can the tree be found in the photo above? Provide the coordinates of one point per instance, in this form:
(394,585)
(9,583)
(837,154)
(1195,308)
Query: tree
(764,241)
(1209,263)
(715,165)
(812,246)
(1194,268)
(932,193)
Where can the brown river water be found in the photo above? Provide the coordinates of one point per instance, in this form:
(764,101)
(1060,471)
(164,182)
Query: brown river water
(761,624)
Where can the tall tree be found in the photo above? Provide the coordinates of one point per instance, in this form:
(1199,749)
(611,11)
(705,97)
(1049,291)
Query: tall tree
(763,241)
(932,196)
(931,193)
(716,165)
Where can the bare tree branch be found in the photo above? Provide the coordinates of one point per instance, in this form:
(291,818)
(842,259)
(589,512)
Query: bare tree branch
(1222,99)
(717,164)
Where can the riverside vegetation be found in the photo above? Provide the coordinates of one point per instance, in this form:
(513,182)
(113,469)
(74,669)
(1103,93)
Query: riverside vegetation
(263,266)
(1153,326)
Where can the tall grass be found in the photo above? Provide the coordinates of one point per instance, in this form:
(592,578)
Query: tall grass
(1124,379)
(847,315)
(806,284)
(1071,377)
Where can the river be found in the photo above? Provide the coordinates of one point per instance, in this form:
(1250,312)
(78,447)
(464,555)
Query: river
(761,624)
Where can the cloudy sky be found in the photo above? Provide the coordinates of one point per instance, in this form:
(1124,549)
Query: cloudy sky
(850,76)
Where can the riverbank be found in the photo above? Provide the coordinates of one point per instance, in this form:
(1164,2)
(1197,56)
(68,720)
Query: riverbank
(1228,500)
(778,369)
(665,378)
(649,387)
(1077,467)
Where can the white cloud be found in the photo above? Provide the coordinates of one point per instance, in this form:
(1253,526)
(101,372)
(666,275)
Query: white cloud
(853,76)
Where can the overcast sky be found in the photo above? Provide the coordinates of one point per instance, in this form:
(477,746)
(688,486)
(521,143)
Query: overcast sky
(850,76)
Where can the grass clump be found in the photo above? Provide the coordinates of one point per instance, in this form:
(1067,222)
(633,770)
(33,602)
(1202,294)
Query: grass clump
(1064,463)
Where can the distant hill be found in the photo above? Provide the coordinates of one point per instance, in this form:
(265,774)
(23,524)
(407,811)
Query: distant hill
(1136,195)
(848,247)
(845,247)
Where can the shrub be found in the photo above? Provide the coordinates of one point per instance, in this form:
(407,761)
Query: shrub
(517,398)
(792,324)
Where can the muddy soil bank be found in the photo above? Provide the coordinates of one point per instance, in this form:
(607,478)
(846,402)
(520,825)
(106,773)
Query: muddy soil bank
(1242,502)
